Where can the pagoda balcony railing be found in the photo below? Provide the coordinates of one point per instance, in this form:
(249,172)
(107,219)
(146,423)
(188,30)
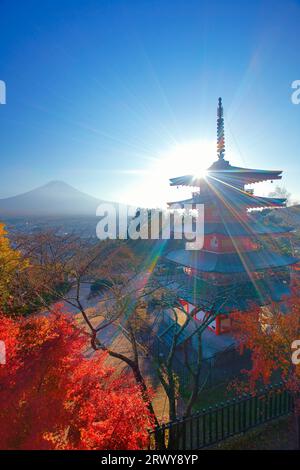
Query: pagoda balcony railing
(180,274)
(237,289)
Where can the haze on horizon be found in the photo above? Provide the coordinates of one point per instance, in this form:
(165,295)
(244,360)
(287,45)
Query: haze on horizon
(116,97)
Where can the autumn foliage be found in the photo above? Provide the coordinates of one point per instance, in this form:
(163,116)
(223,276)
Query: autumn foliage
(56,394)
(268,333)
(11,265)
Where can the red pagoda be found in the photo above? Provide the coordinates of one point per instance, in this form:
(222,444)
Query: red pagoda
(239,263)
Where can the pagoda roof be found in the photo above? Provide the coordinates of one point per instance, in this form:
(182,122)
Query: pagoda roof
(234,197)
(236,174)
(226,263)
(249,228)
(221,170)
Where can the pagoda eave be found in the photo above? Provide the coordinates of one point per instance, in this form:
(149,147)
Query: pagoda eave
(243,199)
(227,263)
(234,174)
(236,229)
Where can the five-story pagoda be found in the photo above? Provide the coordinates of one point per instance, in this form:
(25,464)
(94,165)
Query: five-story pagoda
(236,265)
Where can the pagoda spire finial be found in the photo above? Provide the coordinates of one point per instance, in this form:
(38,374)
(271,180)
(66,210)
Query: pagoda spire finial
(220,131)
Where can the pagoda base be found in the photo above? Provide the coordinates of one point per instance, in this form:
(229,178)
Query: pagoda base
(222,324)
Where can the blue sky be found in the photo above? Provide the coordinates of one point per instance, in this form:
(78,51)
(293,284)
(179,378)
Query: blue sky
(114,97)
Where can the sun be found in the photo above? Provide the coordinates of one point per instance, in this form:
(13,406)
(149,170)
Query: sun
(200,173)
(189,158)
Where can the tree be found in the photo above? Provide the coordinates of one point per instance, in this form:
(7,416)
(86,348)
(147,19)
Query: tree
(269,334)
(11,266)
(55,395)
(122,307)
(49,259)
(281,193)
(77,263)
(128,285)
(192,354)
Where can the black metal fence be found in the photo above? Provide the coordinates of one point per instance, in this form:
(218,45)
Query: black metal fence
(217,423)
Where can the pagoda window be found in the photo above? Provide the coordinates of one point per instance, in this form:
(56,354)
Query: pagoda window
(224,325)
